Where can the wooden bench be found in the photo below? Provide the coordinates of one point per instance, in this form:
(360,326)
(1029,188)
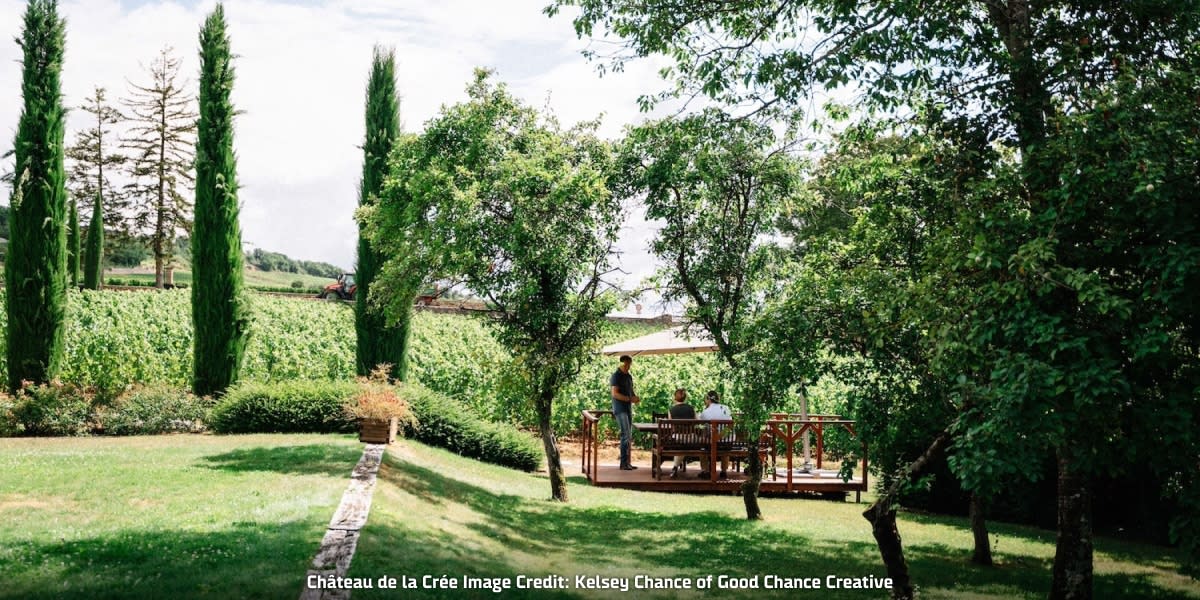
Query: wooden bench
(695,438)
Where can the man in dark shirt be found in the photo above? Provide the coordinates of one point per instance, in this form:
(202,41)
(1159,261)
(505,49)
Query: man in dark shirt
(623,400)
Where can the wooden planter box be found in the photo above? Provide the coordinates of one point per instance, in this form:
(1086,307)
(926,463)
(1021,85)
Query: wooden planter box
(377,432)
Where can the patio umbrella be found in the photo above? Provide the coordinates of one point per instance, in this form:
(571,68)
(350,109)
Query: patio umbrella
(667,341)
(677,341)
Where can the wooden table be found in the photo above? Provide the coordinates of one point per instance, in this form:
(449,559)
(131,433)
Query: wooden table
(646,427)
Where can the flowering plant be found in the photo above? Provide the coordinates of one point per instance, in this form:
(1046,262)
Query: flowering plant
(378,399)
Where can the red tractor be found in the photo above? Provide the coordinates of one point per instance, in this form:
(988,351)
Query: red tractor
(342,289)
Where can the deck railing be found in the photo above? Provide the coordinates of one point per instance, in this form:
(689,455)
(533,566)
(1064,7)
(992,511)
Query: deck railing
(783,428)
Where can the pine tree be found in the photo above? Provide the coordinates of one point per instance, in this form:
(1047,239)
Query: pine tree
(93,267)
(377,342)
(93,160)
(160,143)
(219,311)
(73,244)
(36,267)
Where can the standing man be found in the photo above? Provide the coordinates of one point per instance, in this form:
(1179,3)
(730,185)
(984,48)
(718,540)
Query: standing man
(623,400)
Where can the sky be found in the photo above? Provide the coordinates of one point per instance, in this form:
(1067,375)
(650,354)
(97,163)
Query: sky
(301,71)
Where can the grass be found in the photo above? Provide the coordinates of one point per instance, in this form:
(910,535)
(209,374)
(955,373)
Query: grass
(242,516)
(437,514)
(167,516)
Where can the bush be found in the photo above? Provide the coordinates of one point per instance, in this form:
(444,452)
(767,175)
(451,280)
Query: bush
(297,285)
(9,426)
(285,407)
(54,409)
(448,424)
(152,410)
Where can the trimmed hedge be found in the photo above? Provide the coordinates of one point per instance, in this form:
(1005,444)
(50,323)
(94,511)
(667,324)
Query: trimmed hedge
(317,407)
(448,424)
(285,407)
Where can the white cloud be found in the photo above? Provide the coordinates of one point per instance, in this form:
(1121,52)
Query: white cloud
(301,75)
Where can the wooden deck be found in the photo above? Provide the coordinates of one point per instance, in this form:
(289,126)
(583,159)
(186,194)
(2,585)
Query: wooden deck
(785,429)
(821,481)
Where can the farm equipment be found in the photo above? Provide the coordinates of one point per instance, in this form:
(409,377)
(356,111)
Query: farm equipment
(342,289)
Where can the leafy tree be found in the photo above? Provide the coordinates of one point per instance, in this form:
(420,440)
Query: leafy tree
(220,315)
(73,246)
(718,185)
(519,209)
(378,341)
(1048,338)
(93,267)
(161,157)
(36,267)
(93,160)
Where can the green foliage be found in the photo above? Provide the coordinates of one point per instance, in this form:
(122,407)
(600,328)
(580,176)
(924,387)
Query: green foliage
(219,308)
(443,422)
(284,407)
(36,264)
(93,270)
(379,341)
(53,409)
(501,197)
(152,410)
(126,252)
(73,245)
(114,339)
(275,261)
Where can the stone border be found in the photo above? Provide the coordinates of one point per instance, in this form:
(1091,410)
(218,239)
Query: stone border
(341,538)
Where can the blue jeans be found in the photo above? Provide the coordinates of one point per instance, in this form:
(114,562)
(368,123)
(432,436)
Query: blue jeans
(625,424)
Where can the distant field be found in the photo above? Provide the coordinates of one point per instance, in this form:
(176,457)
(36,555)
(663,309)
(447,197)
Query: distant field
(253,278)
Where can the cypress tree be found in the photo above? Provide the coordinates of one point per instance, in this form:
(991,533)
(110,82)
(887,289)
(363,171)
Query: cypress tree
(219,311)
(73,244)
(93,269)
(377,342)
(36,268)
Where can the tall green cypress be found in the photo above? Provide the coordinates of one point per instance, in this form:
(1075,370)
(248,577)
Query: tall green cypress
(36,268)
(73,244)
(220,315)
(377,342)
(93,269)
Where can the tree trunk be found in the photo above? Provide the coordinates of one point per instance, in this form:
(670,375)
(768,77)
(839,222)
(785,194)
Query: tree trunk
(558,480)
(882,516)
(751,485)
(887,537)
(1073,556)
(983,547)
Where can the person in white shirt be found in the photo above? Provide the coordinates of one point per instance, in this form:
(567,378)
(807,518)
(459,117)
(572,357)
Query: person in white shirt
(714,411)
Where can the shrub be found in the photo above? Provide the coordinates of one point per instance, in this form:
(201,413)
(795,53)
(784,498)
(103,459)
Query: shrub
(443,422)
(54,409)
(285,407)
(152,410)
(9,426)
(297,285)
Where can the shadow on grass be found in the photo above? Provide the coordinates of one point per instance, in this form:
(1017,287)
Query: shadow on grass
(567,540)
(245,560)
(1122,550)
(319,459)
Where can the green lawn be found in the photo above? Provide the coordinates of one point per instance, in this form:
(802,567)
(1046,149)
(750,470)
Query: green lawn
(167,516)
(437,514)
(242,516)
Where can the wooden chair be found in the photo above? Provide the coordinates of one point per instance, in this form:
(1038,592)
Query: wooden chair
(679,437)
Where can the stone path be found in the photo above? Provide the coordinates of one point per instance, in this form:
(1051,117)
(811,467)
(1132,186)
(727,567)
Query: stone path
(341,538)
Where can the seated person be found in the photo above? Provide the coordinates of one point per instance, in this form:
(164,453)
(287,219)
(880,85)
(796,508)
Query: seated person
(714,411)
(680,410)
